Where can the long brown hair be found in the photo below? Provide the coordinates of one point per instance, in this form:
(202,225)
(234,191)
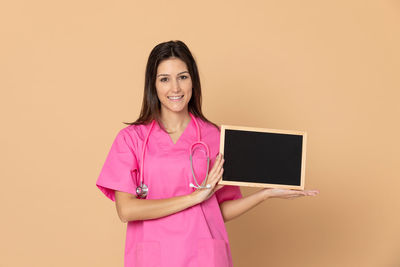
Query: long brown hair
(151,106)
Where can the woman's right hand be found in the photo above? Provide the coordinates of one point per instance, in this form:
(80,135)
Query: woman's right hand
(215,174)
(287,193)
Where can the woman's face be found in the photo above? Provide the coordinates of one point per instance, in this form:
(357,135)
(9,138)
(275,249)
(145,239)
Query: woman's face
(174,85)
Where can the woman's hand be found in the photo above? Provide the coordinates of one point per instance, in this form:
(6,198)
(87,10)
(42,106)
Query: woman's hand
(287,193)
(215,174)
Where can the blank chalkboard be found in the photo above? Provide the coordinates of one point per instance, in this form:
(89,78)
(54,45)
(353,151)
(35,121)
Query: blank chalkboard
(261,157)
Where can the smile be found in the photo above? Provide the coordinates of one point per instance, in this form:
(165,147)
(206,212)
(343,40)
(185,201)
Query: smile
(175,97)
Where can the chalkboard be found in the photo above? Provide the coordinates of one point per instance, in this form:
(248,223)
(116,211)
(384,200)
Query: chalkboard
(261,157)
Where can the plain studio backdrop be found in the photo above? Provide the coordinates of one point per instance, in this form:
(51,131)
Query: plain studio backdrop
(73,71)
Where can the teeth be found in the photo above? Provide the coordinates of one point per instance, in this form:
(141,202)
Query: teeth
(175,97)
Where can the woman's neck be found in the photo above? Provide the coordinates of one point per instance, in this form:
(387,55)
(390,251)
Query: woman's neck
(174,121)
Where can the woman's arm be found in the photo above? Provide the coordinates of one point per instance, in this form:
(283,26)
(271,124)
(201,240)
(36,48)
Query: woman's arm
(130,208)
(231,209)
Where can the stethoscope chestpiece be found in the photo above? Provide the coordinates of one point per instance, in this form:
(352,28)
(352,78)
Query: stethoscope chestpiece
(141,191)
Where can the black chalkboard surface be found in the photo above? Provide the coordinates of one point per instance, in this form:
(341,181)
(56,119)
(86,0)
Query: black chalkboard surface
(261,157)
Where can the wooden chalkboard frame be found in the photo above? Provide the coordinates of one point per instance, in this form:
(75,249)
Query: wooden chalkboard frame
(267,130)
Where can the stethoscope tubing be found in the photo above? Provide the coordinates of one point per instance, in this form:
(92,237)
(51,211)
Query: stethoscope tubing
(142,189)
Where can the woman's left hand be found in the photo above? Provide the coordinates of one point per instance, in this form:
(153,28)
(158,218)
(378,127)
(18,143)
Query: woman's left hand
(287,193)
(214,176)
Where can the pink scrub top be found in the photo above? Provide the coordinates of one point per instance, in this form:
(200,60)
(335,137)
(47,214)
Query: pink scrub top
(194,237)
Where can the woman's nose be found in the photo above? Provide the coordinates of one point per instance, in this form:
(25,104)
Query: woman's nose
(176,86)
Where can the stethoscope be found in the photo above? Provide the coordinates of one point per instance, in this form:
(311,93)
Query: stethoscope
(142,189)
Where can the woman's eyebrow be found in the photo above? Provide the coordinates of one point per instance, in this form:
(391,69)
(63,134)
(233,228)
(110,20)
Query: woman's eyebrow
(182,72)
(162,74)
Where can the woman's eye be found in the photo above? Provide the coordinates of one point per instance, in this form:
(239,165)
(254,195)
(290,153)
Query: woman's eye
(164,79)
(183,77)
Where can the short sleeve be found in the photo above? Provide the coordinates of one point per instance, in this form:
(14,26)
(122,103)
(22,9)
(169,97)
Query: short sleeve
(228,192)
(120,168)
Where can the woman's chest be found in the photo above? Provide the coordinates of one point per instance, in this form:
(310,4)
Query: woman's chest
(168,168)
(168,172)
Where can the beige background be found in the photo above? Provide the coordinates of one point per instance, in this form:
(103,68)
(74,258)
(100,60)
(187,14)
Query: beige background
(72,71)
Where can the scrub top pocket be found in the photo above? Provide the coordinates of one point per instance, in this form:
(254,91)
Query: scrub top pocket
(212,253)
(148,254)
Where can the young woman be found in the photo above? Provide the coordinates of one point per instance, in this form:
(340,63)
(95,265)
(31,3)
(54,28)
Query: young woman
(175,215)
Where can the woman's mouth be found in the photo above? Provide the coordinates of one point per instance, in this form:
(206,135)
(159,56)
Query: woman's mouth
(175,98)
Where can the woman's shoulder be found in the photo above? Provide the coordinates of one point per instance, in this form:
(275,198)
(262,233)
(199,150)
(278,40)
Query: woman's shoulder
(134,131)
(208,126)
(211,135)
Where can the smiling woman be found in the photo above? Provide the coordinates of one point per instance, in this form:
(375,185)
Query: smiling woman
(157,172)
(174,86)
(173,219)
(170,68)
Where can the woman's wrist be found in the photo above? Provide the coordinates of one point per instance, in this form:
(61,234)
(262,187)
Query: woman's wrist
(194,198)
(266,194)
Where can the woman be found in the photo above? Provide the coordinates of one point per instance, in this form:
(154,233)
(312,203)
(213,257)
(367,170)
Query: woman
(174,218)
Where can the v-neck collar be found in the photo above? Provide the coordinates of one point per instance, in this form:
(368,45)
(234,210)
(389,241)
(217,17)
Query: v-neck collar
(185,132)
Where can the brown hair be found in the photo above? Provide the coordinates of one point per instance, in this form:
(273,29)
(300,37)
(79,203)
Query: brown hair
(151,106)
